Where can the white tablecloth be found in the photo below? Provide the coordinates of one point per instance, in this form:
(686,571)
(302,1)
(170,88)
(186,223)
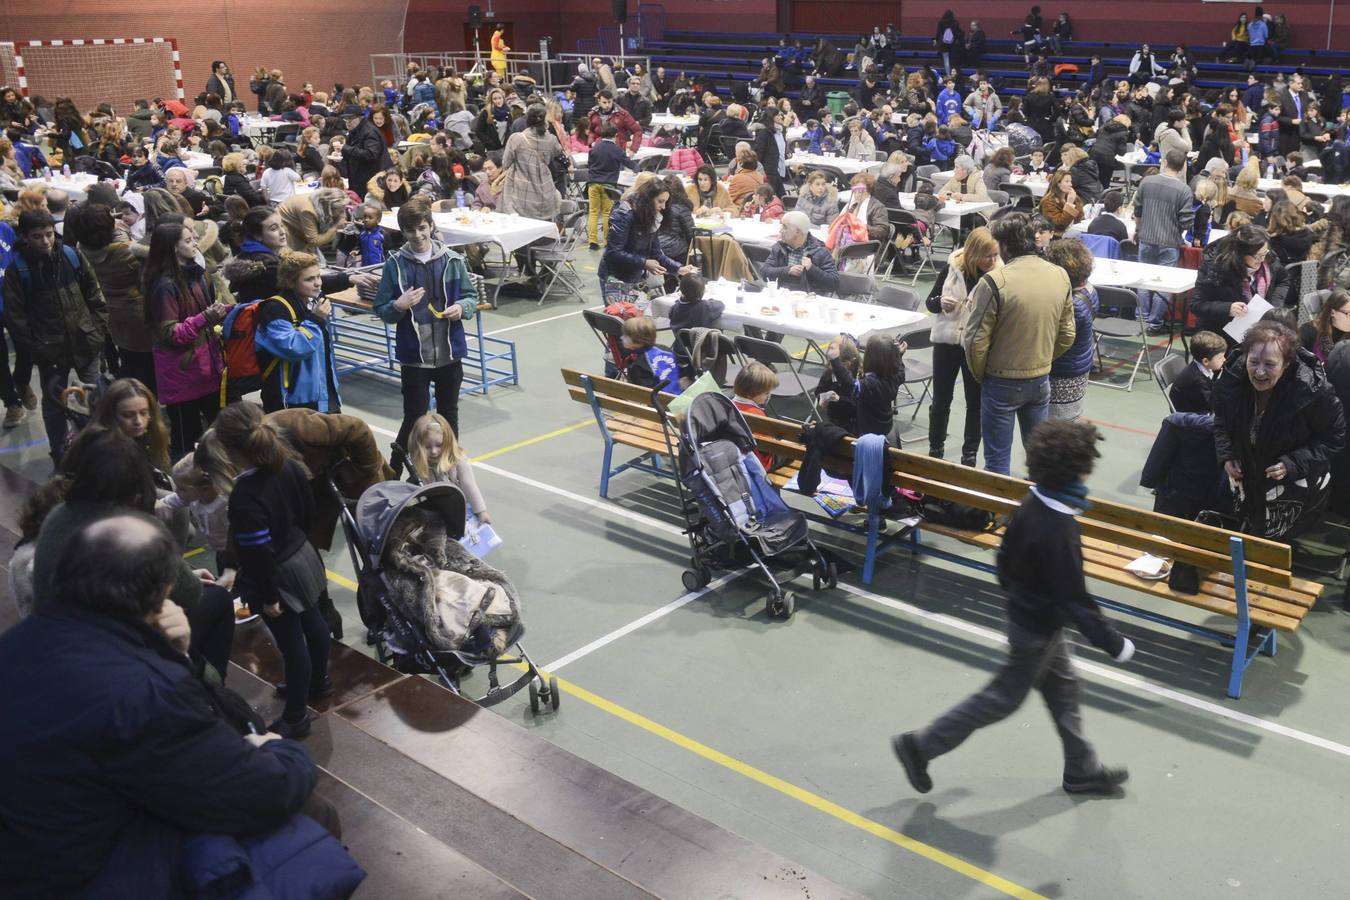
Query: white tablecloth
(1126,274)
(77,185)
(477,227)
(1327,190)
(666,120)
(951,213)
(582,159)
(847,166)
(822,319)
(257,126)
(753,231)
(1038,184)
(197,161)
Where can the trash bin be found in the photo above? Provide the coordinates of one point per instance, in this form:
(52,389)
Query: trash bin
(836,100)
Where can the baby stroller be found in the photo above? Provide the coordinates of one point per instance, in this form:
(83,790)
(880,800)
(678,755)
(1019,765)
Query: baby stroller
(431,605)
(736,517)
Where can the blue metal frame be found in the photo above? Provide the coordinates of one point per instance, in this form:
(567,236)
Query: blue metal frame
(649,462)
(361,346)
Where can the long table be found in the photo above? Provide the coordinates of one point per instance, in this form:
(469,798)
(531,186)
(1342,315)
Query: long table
(583,159)
(843,164)
(459,228)
(1129,274)
(752,231)
(952,211)
(822,318)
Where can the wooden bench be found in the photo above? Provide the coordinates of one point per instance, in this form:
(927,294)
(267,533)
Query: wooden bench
(1247,579)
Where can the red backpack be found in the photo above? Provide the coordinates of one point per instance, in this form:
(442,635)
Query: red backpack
(238,330)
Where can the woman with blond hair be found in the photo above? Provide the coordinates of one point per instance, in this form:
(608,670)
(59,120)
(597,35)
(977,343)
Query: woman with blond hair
(236,183)
(307,152)
(1245,197)
(951,308)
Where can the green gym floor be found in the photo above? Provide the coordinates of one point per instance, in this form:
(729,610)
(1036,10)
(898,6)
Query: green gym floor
(780,731)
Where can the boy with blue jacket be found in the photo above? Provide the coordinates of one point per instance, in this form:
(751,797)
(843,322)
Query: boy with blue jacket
(948,101)
(425,290)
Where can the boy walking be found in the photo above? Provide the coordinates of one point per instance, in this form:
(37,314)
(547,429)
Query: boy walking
(602,171)
(1040,566)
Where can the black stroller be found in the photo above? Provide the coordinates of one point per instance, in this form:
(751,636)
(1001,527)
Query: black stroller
(431,606)
(732,514)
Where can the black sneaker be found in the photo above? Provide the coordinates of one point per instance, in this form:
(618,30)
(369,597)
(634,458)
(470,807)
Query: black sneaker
(318,692)
(594,245)
(292,730)
(1104,781)
(916,767)
(1159,329)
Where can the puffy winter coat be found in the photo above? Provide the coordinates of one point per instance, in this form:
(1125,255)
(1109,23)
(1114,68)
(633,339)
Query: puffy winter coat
(626,251)
(56,309)
(1303,428)
(188,355)
(1217,289)
(1077,360)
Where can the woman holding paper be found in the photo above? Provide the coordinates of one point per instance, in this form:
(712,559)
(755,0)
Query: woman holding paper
(1234,271)
(1278,425)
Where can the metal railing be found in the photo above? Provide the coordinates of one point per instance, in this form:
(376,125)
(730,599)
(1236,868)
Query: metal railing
(551,74)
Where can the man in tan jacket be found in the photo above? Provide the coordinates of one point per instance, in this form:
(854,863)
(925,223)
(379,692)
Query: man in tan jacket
(1022,320)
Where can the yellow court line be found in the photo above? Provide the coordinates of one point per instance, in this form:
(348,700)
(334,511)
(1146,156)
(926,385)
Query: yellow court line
(194,552)
(528,441)
(801,795)
(341,580)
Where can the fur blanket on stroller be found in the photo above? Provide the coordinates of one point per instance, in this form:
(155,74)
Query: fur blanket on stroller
(452,594)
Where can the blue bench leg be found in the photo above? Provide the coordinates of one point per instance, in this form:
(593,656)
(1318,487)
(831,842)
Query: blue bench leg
(604,469)
(870,557)
(1244,625)
(1270,643)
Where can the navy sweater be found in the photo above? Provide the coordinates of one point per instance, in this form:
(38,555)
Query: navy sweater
(1040,565)
(605,161)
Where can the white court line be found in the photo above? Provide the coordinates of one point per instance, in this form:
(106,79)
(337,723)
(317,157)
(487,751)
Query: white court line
(638,623)
(1111,674)
(607,507)
(994,637)
(498,331)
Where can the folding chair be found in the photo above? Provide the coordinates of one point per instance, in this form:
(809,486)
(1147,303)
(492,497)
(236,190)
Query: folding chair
(863,250)
(757,255)
(608,330)
(721,365)
(1310,306)
(904,222)
(554,261)
(897,297)
(777,358)
(1020,195)
(1102,246)
(1165,371)
(1127,324)
(853,285)
(1302,277)
(917,371)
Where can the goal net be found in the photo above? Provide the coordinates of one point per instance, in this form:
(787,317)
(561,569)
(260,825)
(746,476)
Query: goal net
(118,71)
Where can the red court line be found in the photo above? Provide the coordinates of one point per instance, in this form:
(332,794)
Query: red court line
(1150,434)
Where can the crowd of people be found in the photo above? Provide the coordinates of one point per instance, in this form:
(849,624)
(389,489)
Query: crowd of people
(167,297)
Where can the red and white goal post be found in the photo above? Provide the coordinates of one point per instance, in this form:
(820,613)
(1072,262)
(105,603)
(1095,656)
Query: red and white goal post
(90,71)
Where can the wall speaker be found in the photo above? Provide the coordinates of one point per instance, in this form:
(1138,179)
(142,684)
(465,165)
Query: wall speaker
(621,11)
(476,16)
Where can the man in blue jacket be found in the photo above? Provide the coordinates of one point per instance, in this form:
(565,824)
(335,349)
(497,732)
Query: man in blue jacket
(112,751)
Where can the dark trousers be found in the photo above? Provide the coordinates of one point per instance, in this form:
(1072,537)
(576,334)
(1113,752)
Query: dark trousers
(188,421)
(212,621)
(304,642)
(138,365)
(54,380)
(1034,661)
(417,384)
(13,383)
(949,360)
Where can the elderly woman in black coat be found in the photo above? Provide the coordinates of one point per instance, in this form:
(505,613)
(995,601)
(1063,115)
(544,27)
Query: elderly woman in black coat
(1279,425)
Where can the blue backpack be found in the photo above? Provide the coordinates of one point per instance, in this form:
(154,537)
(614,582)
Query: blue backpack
(26,274)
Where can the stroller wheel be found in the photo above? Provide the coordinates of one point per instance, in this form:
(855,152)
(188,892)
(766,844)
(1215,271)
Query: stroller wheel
(534,699)
(831,574)
(691,581)
(788,605)
(554,695)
